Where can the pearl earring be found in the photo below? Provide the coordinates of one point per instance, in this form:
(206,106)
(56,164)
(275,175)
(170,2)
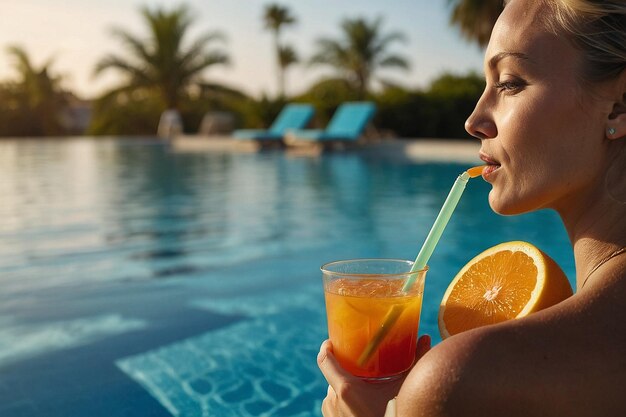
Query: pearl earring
(611,131)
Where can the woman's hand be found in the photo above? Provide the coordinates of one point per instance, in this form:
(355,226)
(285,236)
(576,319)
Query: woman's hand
(349,395)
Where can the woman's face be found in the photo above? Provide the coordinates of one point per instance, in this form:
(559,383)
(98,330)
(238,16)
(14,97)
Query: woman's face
(542,132)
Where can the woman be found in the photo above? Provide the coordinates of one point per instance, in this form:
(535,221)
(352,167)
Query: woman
(552,123)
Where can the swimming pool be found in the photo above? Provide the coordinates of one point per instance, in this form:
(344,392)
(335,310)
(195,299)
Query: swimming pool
(139,281)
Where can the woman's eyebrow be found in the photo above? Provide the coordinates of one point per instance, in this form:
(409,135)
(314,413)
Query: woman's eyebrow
(493,62)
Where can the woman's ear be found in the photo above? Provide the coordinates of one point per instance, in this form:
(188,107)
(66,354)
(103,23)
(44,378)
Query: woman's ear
(616,125)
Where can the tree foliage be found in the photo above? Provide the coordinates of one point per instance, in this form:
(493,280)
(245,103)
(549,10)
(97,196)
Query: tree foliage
(362,50)
(475,18)
(34,103)
(164,64)
(438,112)
(276,17)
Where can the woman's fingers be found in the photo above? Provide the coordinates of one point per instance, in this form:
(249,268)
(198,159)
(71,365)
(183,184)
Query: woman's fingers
(337,376)
(332,371)
(329,408)
(349,396)
(329,405)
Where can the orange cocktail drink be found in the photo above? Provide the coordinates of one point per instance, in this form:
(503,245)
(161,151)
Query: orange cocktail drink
(359,296)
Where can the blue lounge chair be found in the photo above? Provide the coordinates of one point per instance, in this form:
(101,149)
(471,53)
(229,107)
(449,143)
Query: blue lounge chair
(346,125)
(293,116)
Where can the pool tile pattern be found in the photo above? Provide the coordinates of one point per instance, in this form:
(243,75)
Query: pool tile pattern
(239,370)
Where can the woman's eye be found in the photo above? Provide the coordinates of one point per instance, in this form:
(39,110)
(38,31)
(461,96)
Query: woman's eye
(509,86)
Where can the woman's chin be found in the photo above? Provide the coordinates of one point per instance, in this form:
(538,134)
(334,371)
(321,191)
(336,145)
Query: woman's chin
(506,206)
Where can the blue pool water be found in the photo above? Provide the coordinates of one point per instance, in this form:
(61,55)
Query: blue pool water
(139,281)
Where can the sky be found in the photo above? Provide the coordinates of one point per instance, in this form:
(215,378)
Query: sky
(77,34)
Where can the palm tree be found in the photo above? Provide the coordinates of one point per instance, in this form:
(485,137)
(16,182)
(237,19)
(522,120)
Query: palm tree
(275,17)
(287,56)
(475,18)
(162,64)
(362,50)
(39,94)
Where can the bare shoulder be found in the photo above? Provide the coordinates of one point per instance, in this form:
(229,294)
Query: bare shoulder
(566,360)
(473,374)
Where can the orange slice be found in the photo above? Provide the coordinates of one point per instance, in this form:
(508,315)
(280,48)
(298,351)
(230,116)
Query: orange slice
(510,280)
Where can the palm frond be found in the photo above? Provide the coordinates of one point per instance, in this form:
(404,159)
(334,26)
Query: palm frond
(287,56)
(203,62)
(136,46)
(198,49)
(22,61)
(133,72)
(277,16)
(394,61)
(475,18)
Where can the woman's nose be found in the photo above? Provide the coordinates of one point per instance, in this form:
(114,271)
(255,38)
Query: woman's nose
(480,124)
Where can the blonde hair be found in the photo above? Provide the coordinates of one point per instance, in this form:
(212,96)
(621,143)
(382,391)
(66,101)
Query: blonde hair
(598,28)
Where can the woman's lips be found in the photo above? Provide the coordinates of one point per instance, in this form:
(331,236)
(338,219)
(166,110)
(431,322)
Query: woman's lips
(492,165)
